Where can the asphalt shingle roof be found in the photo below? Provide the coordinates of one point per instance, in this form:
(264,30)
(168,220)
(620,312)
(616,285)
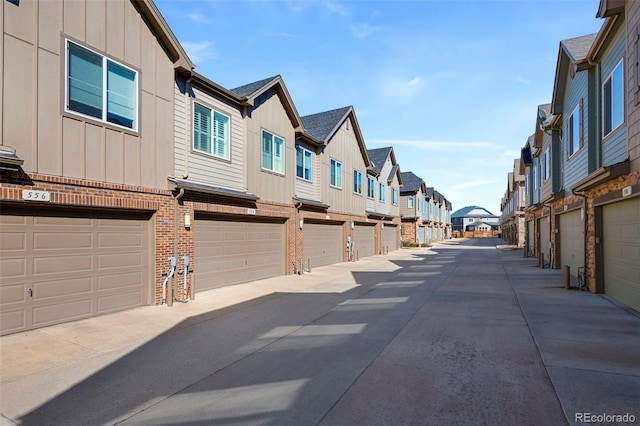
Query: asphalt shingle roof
(411,182)
(250,88)
(321,124)
(378,156)
(578,47)
(464,212)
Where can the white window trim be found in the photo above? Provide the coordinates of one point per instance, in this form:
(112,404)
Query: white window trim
(382,188)
(371,180)
(333,161)
(394,196)
(304,150)
(105,58)
(211,142)
(577,110)
(284,145)
(410,203)
(354,182)
(604,82)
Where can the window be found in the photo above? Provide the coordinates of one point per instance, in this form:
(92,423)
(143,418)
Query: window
(394,196)
(410,202)
(547,164)
(272,152)
(357,182)
(382,190)
(101,88)
(336,173)
(205,140)
(575,131)
(303,163)
(371,185)
(613,100)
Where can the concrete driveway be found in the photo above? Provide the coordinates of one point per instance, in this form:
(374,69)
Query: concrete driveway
(461,333)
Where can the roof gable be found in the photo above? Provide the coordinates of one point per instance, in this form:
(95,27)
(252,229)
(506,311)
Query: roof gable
(412,183)
(473,211)
(250,92)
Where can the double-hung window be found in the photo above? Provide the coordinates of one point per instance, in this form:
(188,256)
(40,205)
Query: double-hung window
(394,196)
(575,131)
(371,185)
(336,173)
(410,202)
(357,182)
(303,163)
(100,88)
(272,152)
(613,100)
(382,189)
(547,164)
(210,131)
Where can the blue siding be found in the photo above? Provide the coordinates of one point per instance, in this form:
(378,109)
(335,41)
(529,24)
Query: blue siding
(614,146)
(576,167)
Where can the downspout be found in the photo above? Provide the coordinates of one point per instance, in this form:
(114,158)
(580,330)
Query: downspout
(175,241)
(584,231)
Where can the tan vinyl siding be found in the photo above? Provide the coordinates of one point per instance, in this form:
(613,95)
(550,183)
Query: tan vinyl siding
(270,115)
(309,189)
(632,95)
(201,167)
(51,141)
(344,148)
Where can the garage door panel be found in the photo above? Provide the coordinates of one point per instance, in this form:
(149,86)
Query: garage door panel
(70,259)
(621,251)
(236,251)
(571,247)
(390,238)
(323,243)
(364,238)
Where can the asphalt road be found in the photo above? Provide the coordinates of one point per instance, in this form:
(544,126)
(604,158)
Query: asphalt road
(461,334)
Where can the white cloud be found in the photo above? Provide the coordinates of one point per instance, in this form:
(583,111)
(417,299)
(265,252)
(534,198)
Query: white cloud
(199,18)
(199,51)
(364,30)
(523,80)
(473,184)
(330,5)
(438,145)
(402,91)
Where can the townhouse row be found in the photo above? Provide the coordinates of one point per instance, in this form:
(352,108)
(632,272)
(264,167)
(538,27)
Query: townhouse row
(580,171)
(128,179)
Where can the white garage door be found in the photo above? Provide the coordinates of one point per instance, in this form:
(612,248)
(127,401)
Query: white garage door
(364,237)
(530,238)
(390,238)
(58,266)
(543,243)
(232,251)
(571,250)
(621,247)
(323,243)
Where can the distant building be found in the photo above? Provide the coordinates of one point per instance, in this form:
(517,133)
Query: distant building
(473,215)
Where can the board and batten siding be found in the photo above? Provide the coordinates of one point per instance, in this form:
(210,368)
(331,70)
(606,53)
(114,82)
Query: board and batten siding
(53,142)
(343,147)
(614,145)
(384,207)
(575,167)
(309,189)
(269,114)
(632,111)
(201,167)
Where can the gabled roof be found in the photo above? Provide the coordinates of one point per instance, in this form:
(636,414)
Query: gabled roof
(465,212)
(395,171)
(165,36)
(379,156)
(412,183)
(572,57)
(322,126)
(249,92)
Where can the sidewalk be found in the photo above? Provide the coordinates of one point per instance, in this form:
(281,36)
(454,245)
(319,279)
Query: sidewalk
(589,346)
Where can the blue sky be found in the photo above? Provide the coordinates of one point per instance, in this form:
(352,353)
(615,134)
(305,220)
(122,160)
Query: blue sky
(452,85)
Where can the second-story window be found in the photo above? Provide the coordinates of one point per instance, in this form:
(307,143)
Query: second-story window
(303,163)
(336,173)
(371,185)
(357,182)
(210,131)
(394,196)
(613,100)
(272,152)
(547,164)
(575,131)
(382,189)
(100,88)
(410,202)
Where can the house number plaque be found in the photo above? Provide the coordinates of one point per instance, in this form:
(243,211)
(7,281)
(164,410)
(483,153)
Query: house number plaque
(30,195)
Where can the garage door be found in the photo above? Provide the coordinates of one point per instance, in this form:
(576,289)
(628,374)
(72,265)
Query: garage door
(232,251)
(58,267)
(323,243)
(364,237)
(571,244)
(543,243)
(390,238)
(621,247)
(421,237)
